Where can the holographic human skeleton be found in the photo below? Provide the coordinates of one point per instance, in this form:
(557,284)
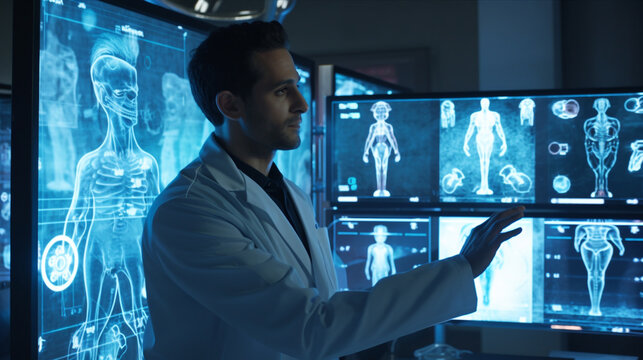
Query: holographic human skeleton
(527,112)
(447,114)
(452,181)
(484,121)
(592,240)
(637,156)
(58,108)
(634,105)
(601,145)
(565,109)
(182,123)
(380,262)
(113,190)
(520,182)
(380,141)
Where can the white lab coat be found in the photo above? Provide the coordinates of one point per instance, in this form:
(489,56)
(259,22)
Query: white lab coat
(227,277)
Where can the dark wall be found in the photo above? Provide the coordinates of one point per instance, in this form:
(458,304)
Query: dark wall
(602,43)
(6,32)
(446,30)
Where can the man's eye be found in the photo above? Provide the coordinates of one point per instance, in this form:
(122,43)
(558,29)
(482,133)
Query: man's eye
(281,91)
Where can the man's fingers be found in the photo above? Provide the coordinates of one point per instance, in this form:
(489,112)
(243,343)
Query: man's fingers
(502,237)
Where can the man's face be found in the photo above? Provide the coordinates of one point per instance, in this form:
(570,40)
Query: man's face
(272,111)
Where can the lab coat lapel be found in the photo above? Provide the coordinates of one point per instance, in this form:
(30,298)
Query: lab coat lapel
(258,198)
(223,169)
(323,267)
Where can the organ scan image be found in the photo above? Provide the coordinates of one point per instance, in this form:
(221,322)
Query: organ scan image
(368,249)
(505,288)
(382,149)
(117,123)
(487,150)
(592,273)
(592,147)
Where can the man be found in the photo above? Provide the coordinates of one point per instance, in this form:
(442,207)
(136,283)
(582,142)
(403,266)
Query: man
(235,265)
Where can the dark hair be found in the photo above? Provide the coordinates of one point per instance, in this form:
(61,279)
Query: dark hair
(223,61)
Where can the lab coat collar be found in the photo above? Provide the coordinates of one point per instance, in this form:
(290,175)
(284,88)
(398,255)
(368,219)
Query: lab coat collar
(226,173)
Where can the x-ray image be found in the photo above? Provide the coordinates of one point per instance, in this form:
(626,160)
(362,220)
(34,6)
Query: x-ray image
(492,144)
(593,273)
(383,149)
(296,164)
(368,249)
(505,289)
(593,150)
(117,123)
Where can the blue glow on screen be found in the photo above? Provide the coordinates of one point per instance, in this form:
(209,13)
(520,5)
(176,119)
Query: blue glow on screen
(368,249)
(350,85)
(117,123)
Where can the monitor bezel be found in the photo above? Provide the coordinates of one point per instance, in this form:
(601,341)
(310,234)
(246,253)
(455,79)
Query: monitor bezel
(615,210)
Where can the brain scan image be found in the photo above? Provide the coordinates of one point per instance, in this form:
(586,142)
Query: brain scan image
(114,99)
(505,288)
(634,104)
(492,146)
(565,109)
(561,184)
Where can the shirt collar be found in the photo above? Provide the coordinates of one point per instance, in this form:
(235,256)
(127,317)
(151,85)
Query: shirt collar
(274,178)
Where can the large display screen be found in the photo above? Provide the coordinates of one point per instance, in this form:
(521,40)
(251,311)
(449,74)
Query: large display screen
(5,187)
(368,249)
(382,150)
(296,164)
(117,123)
(547,149)
(566,274)
(347,83)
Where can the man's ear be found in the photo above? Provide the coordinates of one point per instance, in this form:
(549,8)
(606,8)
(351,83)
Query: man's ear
(230,105)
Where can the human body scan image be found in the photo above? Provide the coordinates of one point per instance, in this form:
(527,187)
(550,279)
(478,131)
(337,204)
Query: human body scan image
(593,149)
(368,249)
(382,149)
(117,123)
(296,164)
(593,274)
(505,290)
(487,150)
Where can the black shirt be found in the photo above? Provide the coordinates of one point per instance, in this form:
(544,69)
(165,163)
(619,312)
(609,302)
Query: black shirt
(275,186)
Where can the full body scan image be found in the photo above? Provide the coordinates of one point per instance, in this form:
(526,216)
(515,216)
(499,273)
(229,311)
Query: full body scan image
(601,145)
(113,189)
(592,240)
(484,122)
(380,142)
(380,262)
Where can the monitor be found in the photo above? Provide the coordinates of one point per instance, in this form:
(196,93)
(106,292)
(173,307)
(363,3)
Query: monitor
(369,248)
(577,275)
(5,187)
(117,123)
(349,82)
(548,148)
(296,164)
(382,149)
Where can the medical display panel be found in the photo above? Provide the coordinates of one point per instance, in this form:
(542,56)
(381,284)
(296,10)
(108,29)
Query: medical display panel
(510,289)
(594,148)
(382,150)
(117,123)
(5,188)
(296,164)
(487,150)
(593,275)
(347,83)
(541,148)
(370,248)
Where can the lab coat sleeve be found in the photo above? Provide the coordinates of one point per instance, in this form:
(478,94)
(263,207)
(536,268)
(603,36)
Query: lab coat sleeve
(205,253)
